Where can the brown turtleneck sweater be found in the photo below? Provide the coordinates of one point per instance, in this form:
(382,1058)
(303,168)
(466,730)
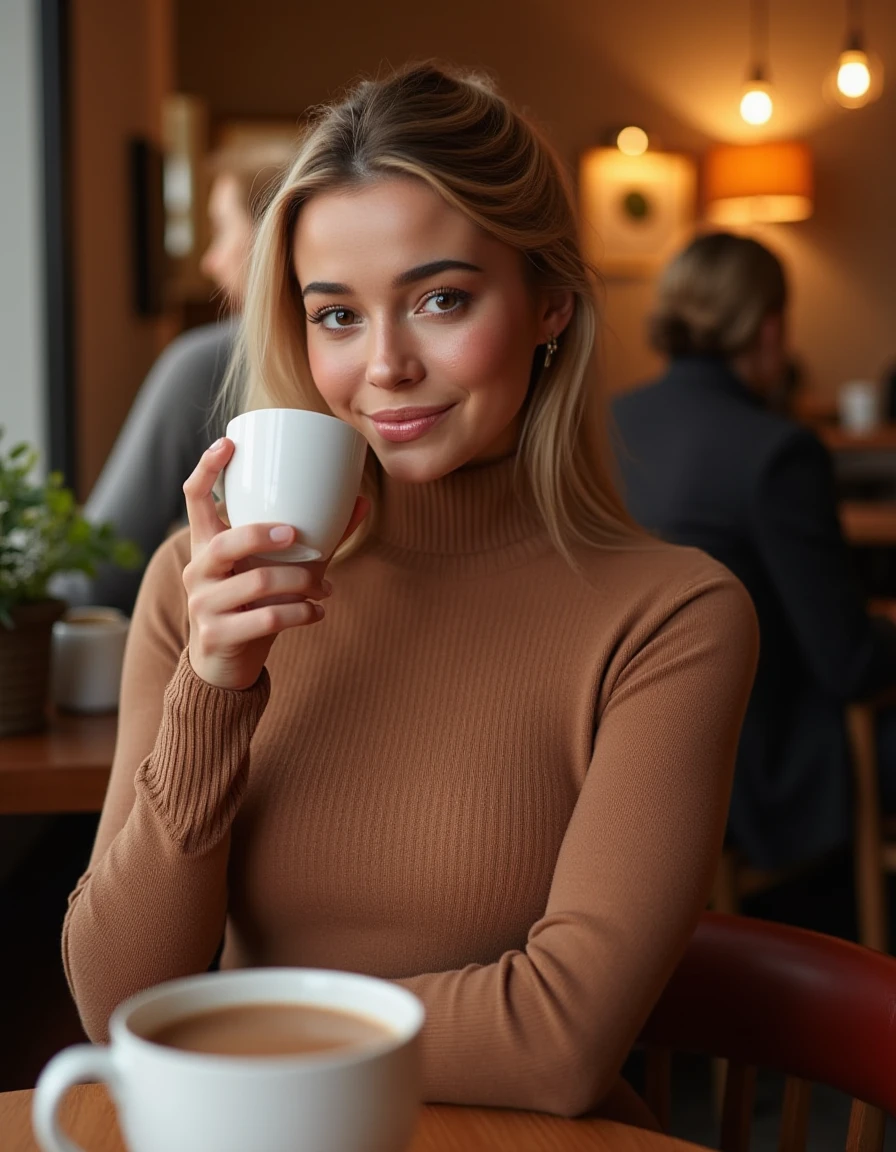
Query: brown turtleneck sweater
(484,775)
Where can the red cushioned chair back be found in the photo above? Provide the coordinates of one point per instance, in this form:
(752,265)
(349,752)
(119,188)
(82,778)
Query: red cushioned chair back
(772,996)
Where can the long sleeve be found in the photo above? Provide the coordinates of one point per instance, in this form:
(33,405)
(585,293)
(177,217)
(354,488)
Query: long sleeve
(139,490)
(548,1027)
(153,902)
(797,533)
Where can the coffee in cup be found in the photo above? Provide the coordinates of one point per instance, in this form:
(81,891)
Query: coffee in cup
(294,467)
(265,1059)
(277,1029)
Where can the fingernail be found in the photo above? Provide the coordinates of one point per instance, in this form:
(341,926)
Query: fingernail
(327,587)
(281,534)
(318,611)
(219,443)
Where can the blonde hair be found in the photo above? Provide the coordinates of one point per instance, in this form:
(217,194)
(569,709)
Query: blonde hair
(714,295)
(452,131)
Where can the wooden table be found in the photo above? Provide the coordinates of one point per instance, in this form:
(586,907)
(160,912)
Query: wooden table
(869,523)
(839,439)
(88,1116)
(63,769)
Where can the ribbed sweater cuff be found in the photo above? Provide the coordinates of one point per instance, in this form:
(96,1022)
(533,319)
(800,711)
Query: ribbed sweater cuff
(196,775)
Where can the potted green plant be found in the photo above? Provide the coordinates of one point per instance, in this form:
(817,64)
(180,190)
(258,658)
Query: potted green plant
(42,533)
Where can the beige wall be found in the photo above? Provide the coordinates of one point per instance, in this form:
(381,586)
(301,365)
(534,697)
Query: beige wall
(583,65)
(121,61)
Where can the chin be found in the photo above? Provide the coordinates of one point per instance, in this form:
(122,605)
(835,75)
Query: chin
(417,468)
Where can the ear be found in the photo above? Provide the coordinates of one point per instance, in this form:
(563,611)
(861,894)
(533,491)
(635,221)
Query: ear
(557,307)
(771,332)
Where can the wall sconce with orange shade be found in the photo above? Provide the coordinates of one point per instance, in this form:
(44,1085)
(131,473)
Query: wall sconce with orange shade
(768,183)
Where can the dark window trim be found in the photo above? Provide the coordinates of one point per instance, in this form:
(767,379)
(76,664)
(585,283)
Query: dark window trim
(58,320)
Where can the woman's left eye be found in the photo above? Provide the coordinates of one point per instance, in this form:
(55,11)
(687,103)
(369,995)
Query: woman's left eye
(444,300)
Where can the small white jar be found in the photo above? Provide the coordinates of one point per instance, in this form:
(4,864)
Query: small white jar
(87,656)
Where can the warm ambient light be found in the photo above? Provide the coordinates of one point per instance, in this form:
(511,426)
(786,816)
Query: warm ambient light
(756,103)
(758,183)
(853,75)
(858,77)
(632,141)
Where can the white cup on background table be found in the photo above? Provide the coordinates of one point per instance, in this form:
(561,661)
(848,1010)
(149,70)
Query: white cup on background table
(86,659)
(858,405)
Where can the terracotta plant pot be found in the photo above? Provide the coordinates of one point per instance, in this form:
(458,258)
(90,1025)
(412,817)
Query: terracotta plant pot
(25,666)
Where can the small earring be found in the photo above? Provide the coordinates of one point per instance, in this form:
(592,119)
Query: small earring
(550,350)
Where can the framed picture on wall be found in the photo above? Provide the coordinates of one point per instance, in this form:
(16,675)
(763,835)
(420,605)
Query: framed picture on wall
(635,210)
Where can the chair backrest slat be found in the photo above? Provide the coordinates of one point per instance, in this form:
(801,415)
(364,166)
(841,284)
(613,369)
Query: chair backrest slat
(867,1126)
(737,1108)
(795,1115)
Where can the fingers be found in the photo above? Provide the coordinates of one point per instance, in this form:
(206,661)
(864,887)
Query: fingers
(228,548)
(205,523)
(223,650)
(256,587)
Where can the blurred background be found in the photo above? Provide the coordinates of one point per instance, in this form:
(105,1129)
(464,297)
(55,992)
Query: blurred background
(103,102)
(110,111)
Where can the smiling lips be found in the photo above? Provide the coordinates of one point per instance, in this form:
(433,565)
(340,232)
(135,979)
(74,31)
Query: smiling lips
(401,424)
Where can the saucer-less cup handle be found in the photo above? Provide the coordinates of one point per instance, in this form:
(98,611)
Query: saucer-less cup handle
(77,1065)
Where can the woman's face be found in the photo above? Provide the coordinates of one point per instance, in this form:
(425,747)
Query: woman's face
(420,326)
(226,260)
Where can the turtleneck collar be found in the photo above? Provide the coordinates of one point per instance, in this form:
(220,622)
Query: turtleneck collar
(481,509)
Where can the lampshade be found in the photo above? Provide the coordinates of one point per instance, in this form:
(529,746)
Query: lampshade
(758,183)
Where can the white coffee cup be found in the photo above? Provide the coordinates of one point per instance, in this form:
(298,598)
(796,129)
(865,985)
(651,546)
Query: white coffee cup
(858,403)
(87,654)
(361,1099)
(294,467)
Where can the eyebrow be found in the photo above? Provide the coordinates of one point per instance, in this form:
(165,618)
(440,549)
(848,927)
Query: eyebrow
(421,272)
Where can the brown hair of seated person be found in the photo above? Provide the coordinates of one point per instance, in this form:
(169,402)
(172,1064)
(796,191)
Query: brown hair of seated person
(724,295)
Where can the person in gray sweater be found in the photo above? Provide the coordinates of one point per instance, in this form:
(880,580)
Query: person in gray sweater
(172,420)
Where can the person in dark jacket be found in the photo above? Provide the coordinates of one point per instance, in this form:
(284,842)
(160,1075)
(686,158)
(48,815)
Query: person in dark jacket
(705,461)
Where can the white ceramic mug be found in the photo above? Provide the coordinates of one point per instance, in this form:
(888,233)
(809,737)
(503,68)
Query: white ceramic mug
(87,655)
(294,467)
(361,1099)
(858,402)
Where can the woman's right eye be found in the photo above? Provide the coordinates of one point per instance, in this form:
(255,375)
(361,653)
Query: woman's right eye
(334,318)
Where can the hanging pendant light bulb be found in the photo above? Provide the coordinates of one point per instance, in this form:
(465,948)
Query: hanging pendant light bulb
(756,105)
(857,78)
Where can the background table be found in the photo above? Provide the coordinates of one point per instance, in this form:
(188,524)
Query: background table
(89,1118)
(840,439)
(869,523)
(63,769)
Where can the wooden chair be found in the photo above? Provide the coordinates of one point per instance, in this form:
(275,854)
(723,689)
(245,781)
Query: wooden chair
(768,995)
(874,844)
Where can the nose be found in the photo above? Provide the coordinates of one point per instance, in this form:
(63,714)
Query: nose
(393,361)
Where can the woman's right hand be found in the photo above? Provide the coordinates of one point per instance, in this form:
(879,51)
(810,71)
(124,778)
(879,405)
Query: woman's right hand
(238,604)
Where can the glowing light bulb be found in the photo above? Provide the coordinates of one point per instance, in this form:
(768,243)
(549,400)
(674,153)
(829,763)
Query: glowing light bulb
(756,103)
(853,74)
(632,141)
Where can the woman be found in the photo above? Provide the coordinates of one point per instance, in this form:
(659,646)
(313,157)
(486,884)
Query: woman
(140,489)
(494,765)
(707,463)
